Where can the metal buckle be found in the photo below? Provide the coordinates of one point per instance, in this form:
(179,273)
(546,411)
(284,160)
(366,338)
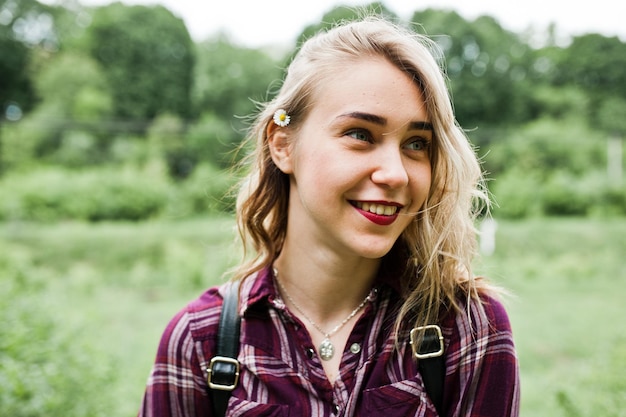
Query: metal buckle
(211,372)
(432,335)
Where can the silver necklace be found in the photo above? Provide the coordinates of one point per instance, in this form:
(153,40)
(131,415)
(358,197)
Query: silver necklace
(326,349)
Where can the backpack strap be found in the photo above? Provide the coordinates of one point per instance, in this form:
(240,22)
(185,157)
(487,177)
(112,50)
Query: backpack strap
(223,371)
(431,363)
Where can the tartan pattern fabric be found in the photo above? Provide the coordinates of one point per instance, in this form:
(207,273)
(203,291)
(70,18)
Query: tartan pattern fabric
(281,375)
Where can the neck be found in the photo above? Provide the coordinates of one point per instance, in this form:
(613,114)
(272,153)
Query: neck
(326,287)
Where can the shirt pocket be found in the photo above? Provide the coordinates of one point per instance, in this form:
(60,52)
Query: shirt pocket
(403,398)
(245,408)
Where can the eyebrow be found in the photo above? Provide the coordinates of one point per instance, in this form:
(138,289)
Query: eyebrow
(379,120)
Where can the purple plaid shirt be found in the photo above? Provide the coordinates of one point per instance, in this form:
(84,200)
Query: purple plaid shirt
(281,375)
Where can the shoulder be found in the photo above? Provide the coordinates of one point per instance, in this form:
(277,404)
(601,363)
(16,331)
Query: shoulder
(480,315)
(480,327)
(197,321)
(481,358)
(495,314)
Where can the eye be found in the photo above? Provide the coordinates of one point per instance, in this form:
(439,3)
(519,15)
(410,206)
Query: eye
(359,134)
(417,144)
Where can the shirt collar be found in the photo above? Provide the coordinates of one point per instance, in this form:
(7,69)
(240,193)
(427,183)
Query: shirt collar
(260,288)
(257,288)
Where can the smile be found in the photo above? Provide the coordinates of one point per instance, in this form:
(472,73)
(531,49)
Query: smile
(375,208)
(378,213)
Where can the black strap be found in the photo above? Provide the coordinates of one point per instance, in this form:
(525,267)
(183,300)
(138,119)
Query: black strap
(433,372)
(224,368)
(431,362)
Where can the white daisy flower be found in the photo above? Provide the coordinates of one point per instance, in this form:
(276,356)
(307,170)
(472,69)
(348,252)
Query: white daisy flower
(281,118)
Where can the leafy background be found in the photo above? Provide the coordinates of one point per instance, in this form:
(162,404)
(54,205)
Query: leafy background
(118,137)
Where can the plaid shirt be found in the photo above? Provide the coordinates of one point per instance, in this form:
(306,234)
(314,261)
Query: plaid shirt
(282,375)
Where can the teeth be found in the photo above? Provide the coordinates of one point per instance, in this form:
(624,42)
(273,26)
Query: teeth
(380,209)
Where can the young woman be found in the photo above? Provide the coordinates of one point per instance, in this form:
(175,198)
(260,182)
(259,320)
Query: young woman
(359,207)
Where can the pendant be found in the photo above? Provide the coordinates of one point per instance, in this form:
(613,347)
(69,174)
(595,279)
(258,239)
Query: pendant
(326,349)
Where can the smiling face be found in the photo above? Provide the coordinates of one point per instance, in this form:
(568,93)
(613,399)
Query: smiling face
(359,164)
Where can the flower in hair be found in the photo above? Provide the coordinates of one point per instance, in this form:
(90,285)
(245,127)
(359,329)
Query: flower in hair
(281,118)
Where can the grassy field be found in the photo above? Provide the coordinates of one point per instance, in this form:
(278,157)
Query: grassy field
(86,305)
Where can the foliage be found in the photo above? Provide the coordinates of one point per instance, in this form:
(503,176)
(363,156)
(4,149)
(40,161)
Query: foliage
(57,194)
(208,190)
(230,80)
(515,194)
(611,114)
(558,103)
(166,140)
(544,145)
(567,279)
(520,194)
(105,194)
(553,167)
(147,57)
(341,14)
(45,366)
(15,85)
(16,42)
(212,140)
(596,63)
(488,67)
(563,195)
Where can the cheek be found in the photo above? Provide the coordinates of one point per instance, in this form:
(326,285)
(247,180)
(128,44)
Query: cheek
(421,184)
(317,165)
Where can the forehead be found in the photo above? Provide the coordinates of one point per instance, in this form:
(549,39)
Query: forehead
(371,85)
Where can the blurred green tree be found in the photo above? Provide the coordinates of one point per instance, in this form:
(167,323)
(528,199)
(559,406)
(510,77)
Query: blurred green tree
(24,25)
(546,145)
(212,140)
(488,67)
(166,140)
(596,63)
(345,13)
(147,57)
(612,119)
(230,80)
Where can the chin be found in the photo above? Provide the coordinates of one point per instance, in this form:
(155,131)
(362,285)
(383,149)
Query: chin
(374,251)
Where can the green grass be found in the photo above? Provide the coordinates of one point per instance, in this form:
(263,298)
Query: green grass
(104,293)
(568,280)
(112,287)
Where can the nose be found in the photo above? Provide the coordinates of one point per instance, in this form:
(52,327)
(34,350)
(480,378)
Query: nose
(389,168)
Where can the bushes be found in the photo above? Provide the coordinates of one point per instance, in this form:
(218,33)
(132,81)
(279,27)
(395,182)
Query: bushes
(45,368)
(521,194)
(57,194)
(566,195)
(554,167)
(515,195)
(206,191)
(54,194)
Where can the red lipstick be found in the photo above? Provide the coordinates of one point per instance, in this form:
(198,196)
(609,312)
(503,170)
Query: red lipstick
(379,219)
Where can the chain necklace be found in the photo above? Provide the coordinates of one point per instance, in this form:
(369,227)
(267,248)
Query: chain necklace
(326,349)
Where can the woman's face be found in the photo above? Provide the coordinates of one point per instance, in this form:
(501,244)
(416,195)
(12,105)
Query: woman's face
(359,165)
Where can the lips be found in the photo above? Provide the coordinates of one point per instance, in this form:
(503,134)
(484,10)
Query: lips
(380,213)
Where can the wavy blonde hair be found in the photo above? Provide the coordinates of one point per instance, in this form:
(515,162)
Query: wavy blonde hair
(434,254)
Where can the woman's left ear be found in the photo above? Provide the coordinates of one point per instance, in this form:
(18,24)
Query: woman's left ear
(280,146)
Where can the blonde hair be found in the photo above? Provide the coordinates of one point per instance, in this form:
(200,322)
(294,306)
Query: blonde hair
(434,254)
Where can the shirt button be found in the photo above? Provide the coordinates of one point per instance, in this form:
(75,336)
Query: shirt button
(336,409)
(310,353)
(355,348)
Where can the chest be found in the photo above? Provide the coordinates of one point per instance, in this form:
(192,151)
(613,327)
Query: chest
(282,373)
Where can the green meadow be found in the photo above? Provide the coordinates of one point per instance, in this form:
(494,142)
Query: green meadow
(84,305)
